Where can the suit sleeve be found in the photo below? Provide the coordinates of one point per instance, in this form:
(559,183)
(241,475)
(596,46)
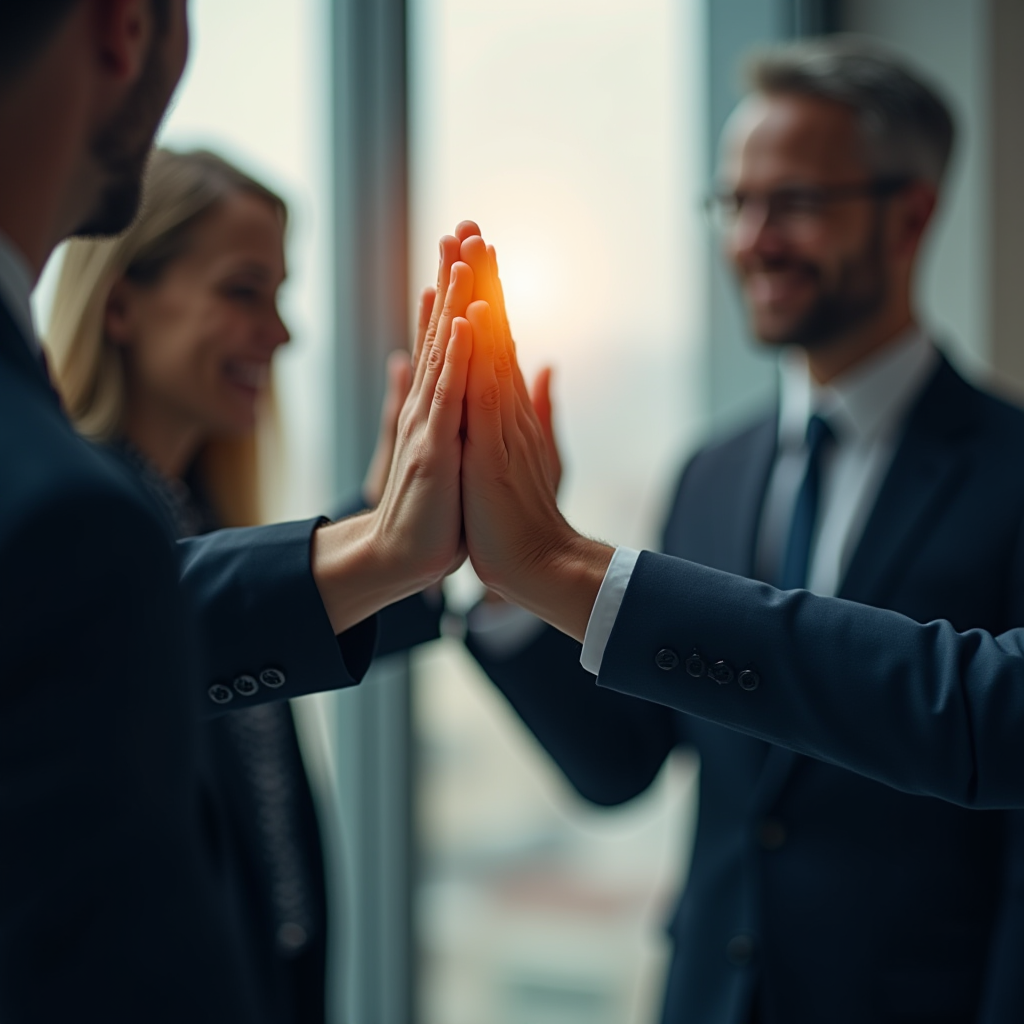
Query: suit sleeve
(609,747)
(1003,994)
(265,629)
(919,707)
(109,910)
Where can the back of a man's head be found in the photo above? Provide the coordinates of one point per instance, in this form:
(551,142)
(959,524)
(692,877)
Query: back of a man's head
(907,128)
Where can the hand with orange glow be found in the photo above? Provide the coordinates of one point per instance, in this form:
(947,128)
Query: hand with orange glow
(520,544)
(487,288)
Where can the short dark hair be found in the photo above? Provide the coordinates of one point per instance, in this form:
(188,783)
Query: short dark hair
(25,26)
(907,127)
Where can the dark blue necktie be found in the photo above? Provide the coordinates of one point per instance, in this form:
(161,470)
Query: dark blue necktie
(797,556)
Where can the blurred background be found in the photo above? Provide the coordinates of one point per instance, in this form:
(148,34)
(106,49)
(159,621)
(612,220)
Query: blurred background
(469,884)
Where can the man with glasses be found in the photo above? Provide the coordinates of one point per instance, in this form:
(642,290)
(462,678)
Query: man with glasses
(816,894)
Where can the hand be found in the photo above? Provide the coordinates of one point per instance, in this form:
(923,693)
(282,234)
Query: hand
(412,538)
(487,287)
(519,543)
(399,380)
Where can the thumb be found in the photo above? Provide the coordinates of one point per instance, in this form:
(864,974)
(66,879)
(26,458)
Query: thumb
(399,377)
(540,397)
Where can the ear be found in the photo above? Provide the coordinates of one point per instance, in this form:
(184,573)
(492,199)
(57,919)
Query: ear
(123,33)
(119,314)
(917,205)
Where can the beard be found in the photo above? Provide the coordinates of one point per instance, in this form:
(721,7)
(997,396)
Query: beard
(856,293)
(122,146)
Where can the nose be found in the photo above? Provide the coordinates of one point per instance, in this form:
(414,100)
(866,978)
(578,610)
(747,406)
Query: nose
(283,334)
(277,333)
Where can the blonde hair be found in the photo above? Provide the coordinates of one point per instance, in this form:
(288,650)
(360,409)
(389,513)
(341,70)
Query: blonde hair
(180,189)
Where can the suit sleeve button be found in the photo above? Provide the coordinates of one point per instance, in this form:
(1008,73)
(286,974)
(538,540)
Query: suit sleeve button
(666,659)
(272,677)
(749,679)
(220,694)
(721,672)
(246,685)
(695,665)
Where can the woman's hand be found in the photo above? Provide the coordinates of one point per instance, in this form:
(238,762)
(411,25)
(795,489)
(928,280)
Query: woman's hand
(412,538)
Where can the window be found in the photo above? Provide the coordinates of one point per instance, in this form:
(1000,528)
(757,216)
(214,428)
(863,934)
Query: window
(560,128)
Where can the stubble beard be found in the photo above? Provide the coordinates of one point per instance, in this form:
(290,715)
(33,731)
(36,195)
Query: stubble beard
(859,292)
(122,146)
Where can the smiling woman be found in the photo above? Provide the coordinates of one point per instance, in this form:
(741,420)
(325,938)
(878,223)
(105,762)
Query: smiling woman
(162,338)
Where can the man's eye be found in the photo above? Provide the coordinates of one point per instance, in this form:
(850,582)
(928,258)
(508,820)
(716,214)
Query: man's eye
(242,293)
(798,202)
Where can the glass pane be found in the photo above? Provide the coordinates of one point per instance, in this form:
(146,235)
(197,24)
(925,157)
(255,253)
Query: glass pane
(256,90)
(560,128)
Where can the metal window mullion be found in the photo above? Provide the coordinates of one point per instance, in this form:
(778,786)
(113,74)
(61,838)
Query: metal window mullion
(372,729)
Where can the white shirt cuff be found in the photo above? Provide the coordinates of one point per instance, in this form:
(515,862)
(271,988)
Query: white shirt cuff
(606,608)
(502,630)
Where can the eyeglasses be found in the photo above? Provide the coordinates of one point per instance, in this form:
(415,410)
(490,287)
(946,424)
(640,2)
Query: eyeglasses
(794,207)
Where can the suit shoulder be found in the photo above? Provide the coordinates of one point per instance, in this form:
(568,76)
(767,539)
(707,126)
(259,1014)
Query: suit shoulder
(50,473)
(722,454)
(999,413)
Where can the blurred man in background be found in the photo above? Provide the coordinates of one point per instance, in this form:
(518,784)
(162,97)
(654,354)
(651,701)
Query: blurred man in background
(815,894)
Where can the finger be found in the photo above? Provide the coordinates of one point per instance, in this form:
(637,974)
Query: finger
(449,254)
(483,396)
(540,394)
(457,299)
(474,252)
(479,315)
(517,375)
(399,376)
(426,307)
(466,229)
(446,407)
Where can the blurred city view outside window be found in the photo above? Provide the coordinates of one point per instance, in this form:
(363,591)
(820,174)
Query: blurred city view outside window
(570,132)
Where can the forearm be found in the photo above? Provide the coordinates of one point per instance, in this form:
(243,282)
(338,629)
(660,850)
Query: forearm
(357,572)
(920,707)
(609,746)
(561,585)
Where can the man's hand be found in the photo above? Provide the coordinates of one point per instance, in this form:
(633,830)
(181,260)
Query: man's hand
(412,538)
(520,544)
(487,287)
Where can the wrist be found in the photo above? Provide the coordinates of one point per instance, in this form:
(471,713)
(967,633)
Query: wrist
(562,584)
(356,572)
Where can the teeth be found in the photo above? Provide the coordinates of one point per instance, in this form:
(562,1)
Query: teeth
(250,375)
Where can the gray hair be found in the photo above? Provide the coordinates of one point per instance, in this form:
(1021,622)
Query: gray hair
(908,129)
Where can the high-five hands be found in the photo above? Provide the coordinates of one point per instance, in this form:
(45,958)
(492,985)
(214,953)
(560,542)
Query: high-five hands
(466,462)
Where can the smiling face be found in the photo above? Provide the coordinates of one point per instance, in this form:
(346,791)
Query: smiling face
(807,274)
(198,342)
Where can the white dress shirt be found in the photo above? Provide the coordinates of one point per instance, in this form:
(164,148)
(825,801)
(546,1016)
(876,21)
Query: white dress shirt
(866,409)
(16,289)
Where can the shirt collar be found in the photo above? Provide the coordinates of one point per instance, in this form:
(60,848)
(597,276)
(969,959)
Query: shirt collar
(16,289)
(862,404)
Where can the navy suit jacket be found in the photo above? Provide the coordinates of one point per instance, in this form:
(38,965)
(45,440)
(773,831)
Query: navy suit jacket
(116,902)
(822,894)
